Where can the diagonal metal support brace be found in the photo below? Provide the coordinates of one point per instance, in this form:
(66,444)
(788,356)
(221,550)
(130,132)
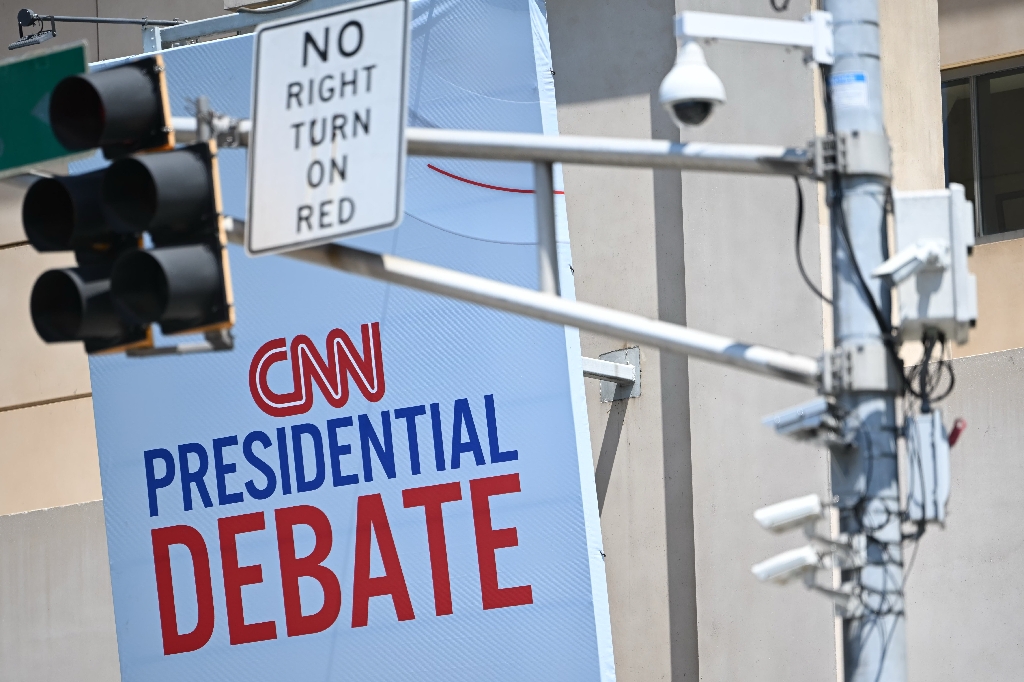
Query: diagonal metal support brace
(557,310)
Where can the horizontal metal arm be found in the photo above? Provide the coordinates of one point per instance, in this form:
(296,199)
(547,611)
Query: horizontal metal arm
(486,292)
(813,34)
(239,21)
(605,151)
(531,147)
(616,372)
(98,20)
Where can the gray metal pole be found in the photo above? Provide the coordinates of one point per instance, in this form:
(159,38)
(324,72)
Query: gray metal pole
(864,476)
(547,248)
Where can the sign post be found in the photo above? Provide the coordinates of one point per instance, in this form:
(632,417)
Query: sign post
(25,135)
(327,152)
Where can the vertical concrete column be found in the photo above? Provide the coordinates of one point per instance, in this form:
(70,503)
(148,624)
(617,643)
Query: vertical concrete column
(742,280)
(627,237)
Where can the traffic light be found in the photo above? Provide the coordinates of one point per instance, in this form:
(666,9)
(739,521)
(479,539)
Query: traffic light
(121,110)
(183,282)
(75,304)
(120,287)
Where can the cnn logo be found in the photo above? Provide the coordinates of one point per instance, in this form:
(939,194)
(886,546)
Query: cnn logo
(330,372)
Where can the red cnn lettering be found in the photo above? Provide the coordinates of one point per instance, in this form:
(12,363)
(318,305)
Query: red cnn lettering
(431,498)
(235,577)
(489,539)
(371,518)
(308,367)
(192,540)
(311,566)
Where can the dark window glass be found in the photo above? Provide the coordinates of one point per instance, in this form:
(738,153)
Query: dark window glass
(1001,150)
(957,134)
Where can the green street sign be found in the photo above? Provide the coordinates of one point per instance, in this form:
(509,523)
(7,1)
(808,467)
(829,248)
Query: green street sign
(25,86)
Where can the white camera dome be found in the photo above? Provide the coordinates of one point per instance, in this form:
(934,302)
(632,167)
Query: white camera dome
(691,89)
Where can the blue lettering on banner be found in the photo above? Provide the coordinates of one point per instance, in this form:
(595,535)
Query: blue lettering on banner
(310,460)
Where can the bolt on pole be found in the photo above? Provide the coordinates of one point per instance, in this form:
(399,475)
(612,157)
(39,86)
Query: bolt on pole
(864,475)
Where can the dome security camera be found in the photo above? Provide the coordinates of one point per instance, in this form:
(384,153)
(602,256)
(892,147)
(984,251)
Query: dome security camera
(691,89)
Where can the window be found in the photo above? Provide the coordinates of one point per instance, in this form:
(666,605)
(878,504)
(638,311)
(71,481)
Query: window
(983,136)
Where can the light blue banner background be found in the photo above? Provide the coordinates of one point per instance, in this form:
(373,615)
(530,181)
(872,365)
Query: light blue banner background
(476,64)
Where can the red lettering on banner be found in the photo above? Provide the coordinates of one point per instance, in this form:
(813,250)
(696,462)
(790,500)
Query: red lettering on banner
(371,518)
(431,498)
(371,522)
(331,376)
(191,539)
(310,566)
(489,539)
(235,577)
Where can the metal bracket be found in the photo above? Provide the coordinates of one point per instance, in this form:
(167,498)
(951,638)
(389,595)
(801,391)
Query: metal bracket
(853,153)
(818,420)
(230,132)
(216,340)
(619,372)
(846,598)
(860,367)
(813,34)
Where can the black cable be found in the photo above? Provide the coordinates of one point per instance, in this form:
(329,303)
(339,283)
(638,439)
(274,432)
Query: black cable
(946,362)
(913,556)
(779,7)
(883,324)
(799,233)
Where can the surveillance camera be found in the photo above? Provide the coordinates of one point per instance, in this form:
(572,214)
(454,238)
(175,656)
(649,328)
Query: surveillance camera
(691,89)
(789,514)
(782,568)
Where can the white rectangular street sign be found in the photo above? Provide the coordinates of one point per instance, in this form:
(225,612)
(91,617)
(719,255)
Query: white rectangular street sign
(327,152)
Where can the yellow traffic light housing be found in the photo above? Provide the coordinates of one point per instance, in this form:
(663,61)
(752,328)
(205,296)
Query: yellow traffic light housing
(120,288)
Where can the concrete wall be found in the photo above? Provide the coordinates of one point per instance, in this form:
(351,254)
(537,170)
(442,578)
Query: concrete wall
(912,92)
(714,252)
(979,30)
(997,266)
(49,454)
(56,611)
(742,281)
(964,595)
(627,235)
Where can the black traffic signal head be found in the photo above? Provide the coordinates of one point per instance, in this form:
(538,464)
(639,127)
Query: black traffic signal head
(65,213)
(74,304)
(122,109)
(119,288)
(177,286)
(163,193)
(56,210)
(183,282)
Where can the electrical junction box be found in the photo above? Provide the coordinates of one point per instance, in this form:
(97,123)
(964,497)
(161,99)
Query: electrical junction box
(928,467)
(942,294)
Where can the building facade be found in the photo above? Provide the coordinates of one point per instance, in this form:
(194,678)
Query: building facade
(679,469)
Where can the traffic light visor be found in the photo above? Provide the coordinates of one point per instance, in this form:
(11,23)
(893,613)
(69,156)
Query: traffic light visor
(57,210)
(122,109)
(66,306)
(160,191)
(177,284)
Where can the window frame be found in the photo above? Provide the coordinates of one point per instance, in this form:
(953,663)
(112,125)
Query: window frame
(971,73)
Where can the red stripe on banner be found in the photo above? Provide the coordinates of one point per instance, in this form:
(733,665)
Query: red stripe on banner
(481,184)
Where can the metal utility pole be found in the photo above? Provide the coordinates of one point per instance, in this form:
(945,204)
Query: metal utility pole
(864,474)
